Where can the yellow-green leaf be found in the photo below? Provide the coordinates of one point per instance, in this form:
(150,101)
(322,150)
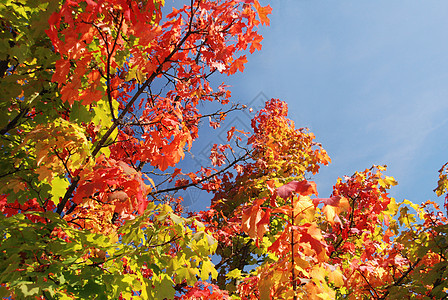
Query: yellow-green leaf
(58,188)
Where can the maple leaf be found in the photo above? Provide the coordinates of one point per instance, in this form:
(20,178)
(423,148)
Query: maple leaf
(263,224)
(303,209)
(387,235)
(332,207)
(303,187)
(62,71)
(281,244)
(162,161)
(313,236)
(263,11)
(330,213)
(237,65)
(333,201)
(255,220)
(256,44)
(118,195)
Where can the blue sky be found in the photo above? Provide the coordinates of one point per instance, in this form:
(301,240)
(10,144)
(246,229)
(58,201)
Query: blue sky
(369,78)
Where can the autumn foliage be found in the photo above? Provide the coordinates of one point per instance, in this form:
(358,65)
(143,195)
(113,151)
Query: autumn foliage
(102,100)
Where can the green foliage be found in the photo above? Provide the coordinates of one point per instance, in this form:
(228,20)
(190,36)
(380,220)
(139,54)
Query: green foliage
(83,264)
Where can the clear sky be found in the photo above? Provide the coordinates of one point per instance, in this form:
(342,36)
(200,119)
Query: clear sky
(369,78)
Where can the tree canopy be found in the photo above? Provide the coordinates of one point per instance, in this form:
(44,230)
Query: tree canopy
(101,100)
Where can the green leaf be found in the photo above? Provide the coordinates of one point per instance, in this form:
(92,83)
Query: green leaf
(163,287)
(80,113)
(28,289)
(4,292)
(188,274)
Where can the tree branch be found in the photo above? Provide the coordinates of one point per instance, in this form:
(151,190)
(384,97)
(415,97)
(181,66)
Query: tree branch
(120,118)
(14,122)
(201,180)
(402,277)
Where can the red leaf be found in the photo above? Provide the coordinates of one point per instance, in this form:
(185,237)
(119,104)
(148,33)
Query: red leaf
(303,187)
(313,236)
(62,70)
(332,201)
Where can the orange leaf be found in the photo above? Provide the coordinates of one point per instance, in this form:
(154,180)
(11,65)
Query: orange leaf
(256,43)
(263,224)
(238,64)
(387,235)
(255,220)
(263,12)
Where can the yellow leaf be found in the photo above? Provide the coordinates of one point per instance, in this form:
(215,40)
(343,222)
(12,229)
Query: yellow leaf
(187,273)
(330,213)
(381,168)
(304,209)
(392,207)
(387,182)
(144,293)
(301,263)
(417,207)
(140,76)
(336,277)
(58,188)
(235,273)
(166,208)
(131,74)
(329,295)
(318,274)
(208,268)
